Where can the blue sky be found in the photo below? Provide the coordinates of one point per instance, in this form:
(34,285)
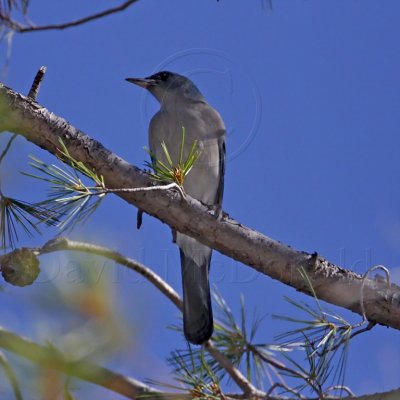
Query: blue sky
(310,94)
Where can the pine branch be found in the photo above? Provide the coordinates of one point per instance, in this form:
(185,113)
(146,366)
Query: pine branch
(332,283)
(118,383)
(213,348)
(48,355)
(60,244)
(66,244)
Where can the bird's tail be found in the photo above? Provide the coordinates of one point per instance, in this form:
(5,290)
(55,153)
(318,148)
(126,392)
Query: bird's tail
(197,311)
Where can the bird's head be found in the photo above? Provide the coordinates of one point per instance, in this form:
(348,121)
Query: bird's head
(168,86)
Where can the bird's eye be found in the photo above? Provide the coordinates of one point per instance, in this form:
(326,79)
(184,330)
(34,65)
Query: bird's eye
(160,76)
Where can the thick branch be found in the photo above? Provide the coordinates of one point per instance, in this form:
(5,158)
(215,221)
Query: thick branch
(331,283)
(17,27)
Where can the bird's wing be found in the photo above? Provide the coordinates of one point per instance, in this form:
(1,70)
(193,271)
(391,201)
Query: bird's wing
(222,157)
(157,130)
(216,131)
(205,181)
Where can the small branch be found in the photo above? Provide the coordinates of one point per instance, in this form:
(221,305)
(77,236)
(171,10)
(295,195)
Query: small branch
(364,277)
(168,186)
(340,389)
(234,373)
(11,24)
(59,244)
(370,325)
(286,388)
(36,83)
(17,27)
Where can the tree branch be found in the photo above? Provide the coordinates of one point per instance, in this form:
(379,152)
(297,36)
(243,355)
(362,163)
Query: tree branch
(128,387)
(235,374)
(330,282)
(51,357)
(102,376)
(17,27)
(60,244)
(118,383)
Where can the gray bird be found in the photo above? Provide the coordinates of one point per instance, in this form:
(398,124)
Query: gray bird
(182,105)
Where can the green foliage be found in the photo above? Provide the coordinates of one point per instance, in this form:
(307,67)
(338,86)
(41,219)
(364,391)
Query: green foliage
(69,201)
(193,373)
(302,364)
(324,338)
(237,342)
(171,171)
(72,197)
(16,213)
(69,196)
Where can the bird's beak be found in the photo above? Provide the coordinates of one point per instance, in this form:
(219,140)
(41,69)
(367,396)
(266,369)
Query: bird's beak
(142,82)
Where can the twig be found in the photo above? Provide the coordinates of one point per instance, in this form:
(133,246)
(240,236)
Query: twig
(341,388)
(17,27)
(234,373)
(66,244)
(36,83)
(370,325)
(172,185)
(13,25)
(99,192)
(364,278)
(286,388)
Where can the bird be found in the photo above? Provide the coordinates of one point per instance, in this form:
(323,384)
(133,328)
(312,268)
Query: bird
(182,106)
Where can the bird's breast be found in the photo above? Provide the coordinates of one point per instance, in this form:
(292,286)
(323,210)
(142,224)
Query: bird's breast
(166,126)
